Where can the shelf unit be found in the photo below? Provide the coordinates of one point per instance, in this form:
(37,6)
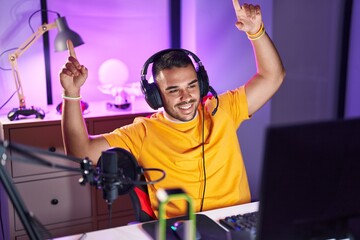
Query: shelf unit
(56,198)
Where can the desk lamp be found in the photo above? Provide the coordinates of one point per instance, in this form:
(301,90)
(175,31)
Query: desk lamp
(64,33)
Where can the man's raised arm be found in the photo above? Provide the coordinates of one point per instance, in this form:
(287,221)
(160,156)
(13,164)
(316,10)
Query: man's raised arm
(270,70)
(76,140)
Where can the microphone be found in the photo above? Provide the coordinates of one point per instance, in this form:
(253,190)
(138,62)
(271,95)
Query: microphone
(109,176)
(117,172)
(214,93)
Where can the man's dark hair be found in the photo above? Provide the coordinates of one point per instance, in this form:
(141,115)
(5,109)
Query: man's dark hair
(169,60)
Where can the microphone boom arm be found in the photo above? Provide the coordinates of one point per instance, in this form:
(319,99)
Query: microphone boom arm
(33,227)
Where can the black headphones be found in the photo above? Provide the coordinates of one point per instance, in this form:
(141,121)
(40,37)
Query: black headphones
(151,91)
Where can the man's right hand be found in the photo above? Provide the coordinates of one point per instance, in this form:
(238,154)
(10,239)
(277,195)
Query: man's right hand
(73,75)
(248,16)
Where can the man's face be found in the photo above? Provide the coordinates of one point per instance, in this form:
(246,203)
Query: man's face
(180,92)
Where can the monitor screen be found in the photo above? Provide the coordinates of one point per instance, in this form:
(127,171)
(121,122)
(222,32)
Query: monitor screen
(311,181)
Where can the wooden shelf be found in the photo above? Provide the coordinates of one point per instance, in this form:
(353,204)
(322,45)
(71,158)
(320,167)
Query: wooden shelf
(56,198)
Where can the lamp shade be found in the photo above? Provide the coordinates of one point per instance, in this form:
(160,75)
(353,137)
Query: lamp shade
(65,33)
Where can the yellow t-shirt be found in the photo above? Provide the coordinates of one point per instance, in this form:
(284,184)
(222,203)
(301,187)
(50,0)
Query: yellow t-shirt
(177,149)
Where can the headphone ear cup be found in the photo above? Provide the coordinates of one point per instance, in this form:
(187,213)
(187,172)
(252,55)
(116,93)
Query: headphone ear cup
(203,81)
(152,94)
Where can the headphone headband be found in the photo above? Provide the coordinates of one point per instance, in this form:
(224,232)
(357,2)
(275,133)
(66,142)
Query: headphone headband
(162,52)
(151,91)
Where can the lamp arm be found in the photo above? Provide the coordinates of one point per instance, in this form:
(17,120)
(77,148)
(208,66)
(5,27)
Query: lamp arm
(18,52)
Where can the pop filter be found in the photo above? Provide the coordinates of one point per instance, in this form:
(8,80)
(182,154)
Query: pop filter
(128,171)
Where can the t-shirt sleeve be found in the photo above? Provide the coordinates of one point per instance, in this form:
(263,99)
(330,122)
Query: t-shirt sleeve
(128,137)
(234,104)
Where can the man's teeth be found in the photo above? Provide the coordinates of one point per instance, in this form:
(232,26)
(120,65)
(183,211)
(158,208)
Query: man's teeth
(185,107)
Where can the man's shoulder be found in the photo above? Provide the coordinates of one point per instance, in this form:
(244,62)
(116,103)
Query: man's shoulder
(153,117)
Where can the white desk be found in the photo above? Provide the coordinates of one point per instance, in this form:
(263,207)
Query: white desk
(135,231)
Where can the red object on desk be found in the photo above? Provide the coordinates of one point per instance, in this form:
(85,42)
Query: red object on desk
(84,106)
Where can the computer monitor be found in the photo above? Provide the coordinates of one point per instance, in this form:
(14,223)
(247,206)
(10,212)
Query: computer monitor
(311,181)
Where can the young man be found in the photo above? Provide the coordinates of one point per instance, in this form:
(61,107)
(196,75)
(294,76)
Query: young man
(199,151)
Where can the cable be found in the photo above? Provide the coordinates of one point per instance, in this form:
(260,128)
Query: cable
(7,69)
(8,100)
(151,182)
(8,50)
(32,30)
(40,10)
(203,156)
(12,49)
(130,181)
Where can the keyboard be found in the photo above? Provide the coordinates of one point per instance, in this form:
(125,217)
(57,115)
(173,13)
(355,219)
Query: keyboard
(241,222)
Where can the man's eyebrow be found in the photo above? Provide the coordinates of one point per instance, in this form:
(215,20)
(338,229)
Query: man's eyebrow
(171,87)
(174,87)
(192,82)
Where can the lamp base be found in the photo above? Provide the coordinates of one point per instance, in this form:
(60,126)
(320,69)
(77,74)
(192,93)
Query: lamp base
(23,111)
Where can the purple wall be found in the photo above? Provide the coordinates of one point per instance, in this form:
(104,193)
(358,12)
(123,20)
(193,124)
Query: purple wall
(129,31)
(353,87)
(14,31)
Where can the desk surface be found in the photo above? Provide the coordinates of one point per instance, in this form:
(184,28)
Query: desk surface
(135,231)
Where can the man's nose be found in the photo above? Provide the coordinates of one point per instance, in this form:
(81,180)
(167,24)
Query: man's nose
(185,94)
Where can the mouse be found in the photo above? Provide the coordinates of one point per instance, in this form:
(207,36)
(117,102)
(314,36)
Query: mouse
(179,229)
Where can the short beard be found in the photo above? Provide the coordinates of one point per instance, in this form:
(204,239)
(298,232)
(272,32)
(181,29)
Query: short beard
(181,119)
